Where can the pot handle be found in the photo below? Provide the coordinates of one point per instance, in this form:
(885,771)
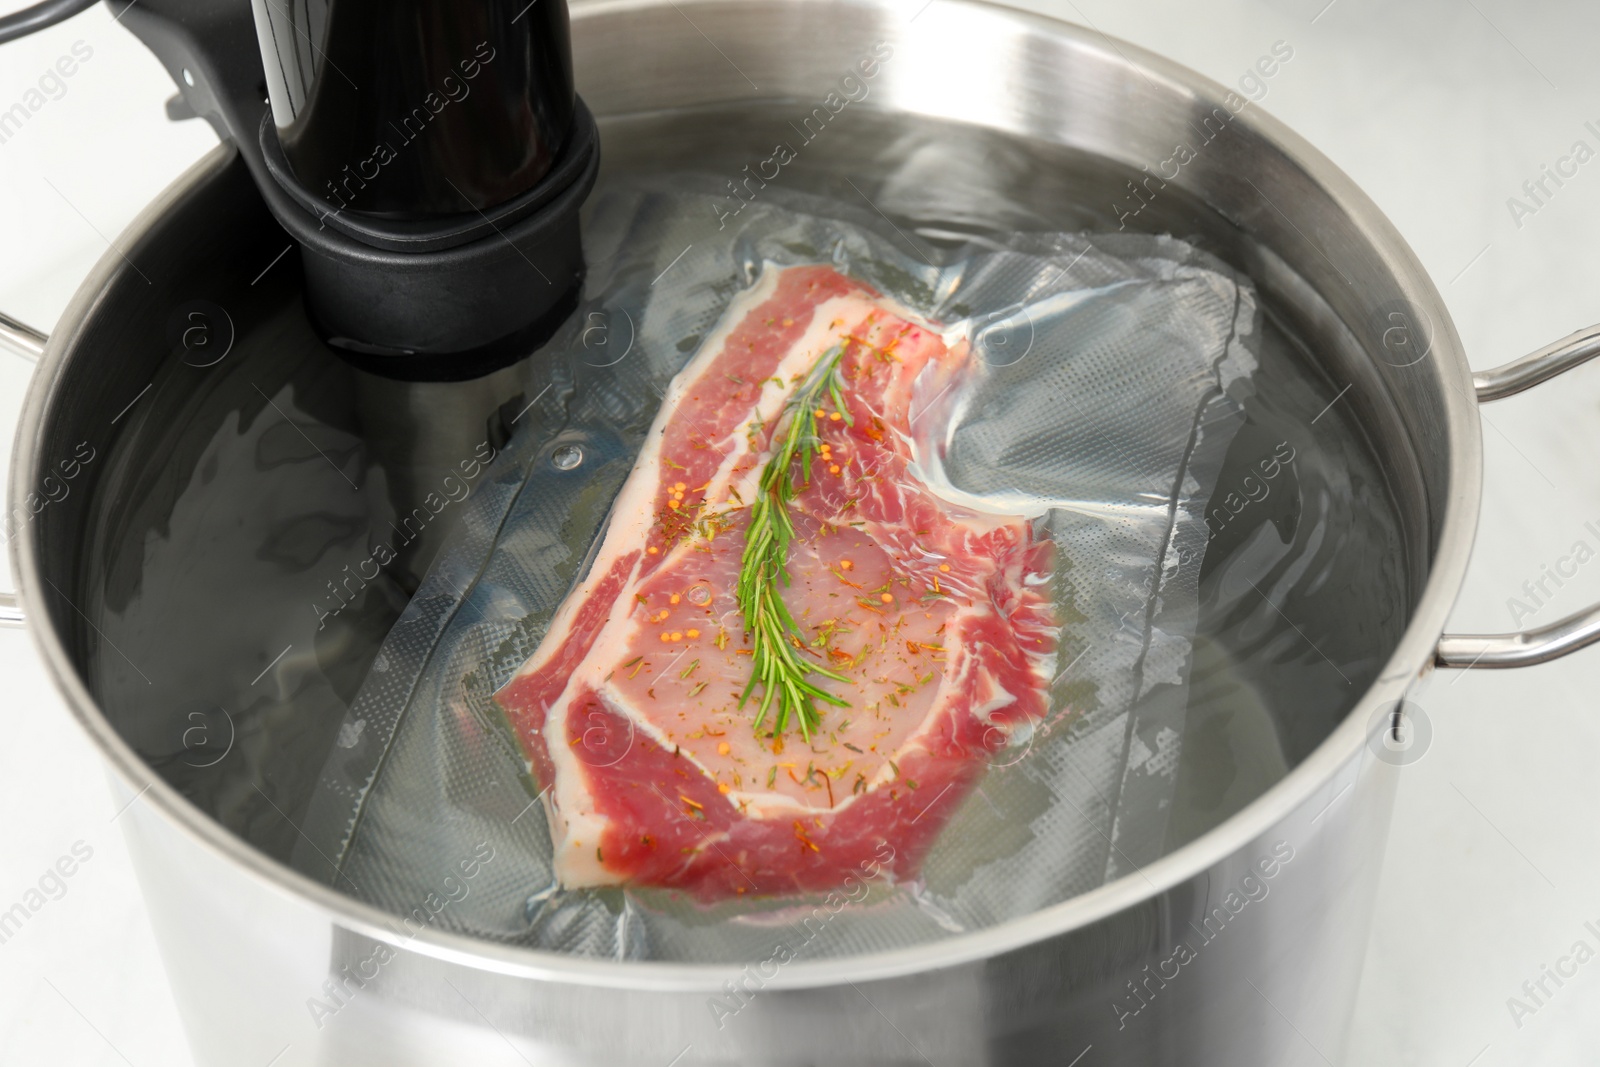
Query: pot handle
(22,340)
(1575,631)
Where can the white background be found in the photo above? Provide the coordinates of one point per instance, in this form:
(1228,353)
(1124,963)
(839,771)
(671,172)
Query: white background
(1440,109)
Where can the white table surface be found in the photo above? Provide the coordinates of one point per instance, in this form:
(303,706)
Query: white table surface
(1440,109)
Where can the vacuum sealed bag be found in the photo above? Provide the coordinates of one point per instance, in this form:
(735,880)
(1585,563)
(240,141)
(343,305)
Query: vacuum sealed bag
(822,577)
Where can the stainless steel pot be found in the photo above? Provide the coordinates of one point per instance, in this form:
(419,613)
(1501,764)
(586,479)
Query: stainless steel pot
(1270,908)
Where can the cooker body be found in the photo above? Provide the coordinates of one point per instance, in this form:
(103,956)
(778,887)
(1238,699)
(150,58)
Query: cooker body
(1242,947)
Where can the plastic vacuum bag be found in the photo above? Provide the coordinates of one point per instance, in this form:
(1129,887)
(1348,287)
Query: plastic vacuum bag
(1113,369)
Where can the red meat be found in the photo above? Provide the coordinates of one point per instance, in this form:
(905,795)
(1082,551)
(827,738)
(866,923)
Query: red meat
(937,614)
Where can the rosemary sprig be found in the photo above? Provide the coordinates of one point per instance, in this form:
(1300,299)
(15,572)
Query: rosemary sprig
(780,662)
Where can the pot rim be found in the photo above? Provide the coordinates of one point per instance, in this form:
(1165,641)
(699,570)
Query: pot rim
(1412,656)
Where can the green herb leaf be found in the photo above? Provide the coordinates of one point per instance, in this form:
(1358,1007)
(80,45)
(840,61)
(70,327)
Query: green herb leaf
(780,663)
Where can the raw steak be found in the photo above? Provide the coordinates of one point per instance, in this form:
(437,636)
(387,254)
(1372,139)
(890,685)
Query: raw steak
(630,708)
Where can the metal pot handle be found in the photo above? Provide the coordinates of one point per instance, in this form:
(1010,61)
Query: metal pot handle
(22,340)
(1575,631)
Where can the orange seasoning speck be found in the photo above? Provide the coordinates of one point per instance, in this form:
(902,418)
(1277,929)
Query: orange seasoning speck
(845,564)
(820,413)
(722,787)
(675,598)
(887,598)
(652,550)
(835,417)
(833,468)
(944,566)
(677,635)
(693,633)
(724,748)
(666,636)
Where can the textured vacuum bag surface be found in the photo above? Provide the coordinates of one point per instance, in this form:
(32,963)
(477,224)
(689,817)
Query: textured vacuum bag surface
(1102,398)
(791,658)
